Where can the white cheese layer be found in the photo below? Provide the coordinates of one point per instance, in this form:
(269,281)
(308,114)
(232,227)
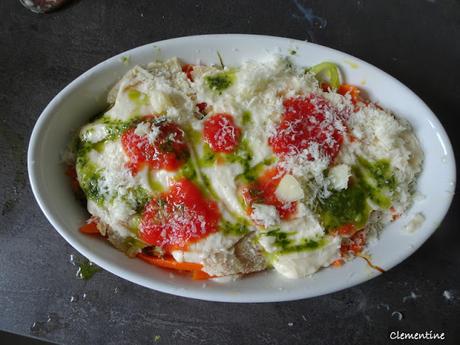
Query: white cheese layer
(222,180)
(379,135)
(305,263)
(159,89)
(255,100)
(198,251)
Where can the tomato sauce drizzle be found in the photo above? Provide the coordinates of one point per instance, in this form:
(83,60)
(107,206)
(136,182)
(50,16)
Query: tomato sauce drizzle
(179,217)
(221,133)
(306,121)
(354,244)
(262,191)
(168,150)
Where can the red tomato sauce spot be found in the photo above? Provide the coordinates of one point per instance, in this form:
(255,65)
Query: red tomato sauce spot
(202,107)
(221,133)
(262,191)
(168,150)
(179,217)
(72,173)
(188,69)
(353,91)
(354,244)
(306,121)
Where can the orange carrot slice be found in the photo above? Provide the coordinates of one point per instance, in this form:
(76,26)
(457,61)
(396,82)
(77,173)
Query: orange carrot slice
(90,228)
(352,90)
(337,263)
(170,263)
(200,275)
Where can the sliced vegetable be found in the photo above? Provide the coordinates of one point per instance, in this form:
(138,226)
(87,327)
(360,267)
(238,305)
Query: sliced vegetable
(90,228)
(72,173)
(353,91)
(337,263)
(169,262)
(329,70)
(200,275)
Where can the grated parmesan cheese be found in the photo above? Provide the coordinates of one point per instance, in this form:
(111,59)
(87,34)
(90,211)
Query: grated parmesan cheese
(265,215)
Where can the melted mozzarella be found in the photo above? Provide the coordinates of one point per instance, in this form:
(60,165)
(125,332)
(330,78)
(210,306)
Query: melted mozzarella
(222,179)
(259,89)
(265,215)
(198,251)
(305,263)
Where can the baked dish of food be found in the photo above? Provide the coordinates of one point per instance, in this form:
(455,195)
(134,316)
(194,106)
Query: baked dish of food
(224,171)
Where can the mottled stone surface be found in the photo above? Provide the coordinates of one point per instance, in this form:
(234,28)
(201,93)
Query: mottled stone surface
(416,41)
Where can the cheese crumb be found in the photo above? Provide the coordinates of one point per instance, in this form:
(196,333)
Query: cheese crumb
(339,175)
(289,189)
(145,129)
(265,215)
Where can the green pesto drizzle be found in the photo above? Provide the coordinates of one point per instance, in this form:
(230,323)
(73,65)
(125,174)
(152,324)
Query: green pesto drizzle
(220,81)
(137,198)
(251,174)
(138,97)
(134,222)
(243,155)
(208,156)
(133,245)
(115,128)
(88,173)
(246,118)
(285,245)
(237,229)
(188,170)
(370,181)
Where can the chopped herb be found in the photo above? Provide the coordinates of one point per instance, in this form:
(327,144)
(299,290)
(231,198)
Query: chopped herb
(220,60)
(293,52)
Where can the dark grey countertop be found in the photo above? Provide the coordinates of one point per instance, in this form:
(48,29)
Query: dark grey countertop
(416,41)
